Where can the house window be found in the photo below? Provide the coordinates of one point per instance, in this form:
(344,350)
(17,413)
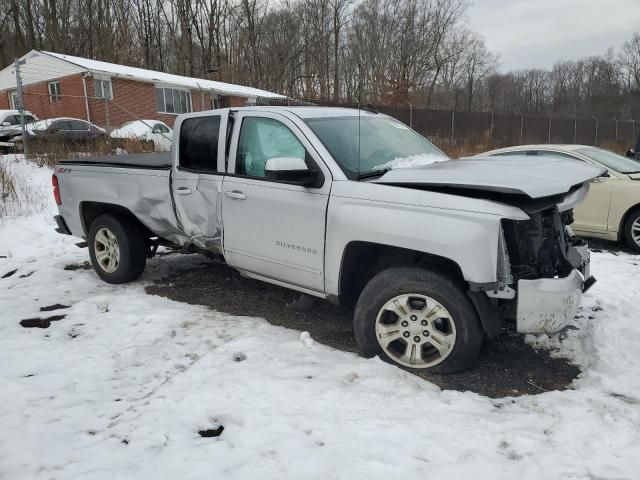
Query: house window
(13,100)
(173,100)
(55,94)
(102,88)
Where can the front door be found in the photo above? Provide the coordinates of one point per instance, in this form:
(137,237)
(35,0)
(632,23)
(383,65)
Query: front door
(273,229)
(197,180)
(592,214)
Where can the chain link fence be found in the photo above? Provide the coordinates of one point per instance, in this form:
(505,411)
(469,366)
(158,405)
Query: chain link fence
(74,126)
(461,132)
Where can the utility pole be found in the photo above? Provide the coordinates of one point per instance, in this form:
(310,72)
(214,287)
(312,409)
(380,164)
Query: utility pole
(21,104)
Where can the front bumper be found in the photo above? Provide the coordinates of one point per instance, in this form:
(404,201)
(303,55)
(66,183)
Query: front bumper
(547,305)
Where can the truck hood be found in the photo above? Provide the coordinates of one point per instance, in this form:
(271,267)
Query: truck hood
(534,177)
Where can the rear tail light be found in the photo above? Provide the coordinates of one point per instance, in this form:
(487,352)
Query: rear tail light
(56,190)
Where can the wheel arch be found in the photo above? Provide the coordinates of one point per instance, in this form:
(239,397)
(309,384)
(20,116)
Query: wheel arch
(623,221)
(89,211)
(361,261)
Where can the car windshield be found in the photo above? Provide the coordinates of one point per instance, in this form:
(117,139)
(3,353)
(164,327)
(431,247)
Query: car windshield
(611,160)
(370,145)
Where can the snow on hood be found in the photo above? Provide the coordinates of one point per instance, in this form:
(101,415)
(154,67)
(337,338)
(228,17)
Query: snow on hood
(535,177)
(412,161)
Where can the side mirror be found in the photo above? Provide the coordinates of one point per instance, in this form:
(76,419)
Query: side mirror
(290,170)
(5,124)
(602,177)
(630,153)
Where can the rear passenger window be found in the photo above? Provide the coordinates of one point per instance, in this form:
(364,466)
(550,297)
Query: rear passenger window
(199,143)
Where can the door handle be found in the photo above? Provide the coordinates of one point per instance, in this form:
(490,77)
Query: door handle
(183,191)
(236,194)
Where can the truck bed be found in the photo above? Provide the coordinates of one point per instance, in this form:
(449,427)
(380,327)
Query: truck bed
(139,183)
(155,161)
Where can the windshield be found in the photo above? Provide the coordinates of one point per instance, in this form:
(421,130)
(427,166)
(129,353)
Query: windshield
(365,145)
(611,160)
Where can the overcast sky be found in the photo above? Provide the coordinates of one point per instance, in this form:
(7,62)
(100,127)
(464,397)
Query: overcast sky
(538,33)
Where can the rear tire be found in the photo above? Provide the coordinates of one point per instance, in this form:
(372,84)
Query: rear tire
(631,226)
(117,248)
(417,319)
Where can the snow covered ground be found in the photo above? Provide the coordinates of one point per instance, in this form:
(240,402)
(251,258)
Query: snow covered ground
(120,386)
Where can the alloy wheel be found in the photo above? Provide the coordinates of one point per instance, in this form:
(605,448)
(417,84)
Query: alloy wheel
(107,250)
(415,330)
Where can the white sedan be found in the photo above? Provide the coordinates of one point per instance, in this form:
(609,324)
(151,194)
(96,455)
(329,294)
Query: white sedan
(612,207)
(157,133)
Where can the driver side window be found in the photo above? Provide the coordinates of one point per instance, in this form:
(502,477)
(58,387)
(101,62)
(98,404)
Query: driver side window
(262,139)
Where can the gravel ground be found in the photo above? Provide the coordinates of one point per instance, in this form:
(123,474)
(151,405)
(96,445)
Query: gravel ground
(506,366)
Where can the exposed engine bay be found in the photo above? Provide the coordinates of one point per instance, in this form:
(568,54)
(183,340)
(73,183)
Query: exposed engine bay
(539,247)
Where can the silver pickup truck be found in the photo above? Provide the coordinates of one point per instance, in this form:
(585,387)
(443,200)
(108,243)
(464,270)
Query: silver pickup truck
(353,207)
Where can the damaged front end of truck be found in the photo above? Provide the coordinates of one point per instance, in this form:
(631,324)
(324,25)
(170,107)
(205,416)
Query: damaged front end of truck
(542,268)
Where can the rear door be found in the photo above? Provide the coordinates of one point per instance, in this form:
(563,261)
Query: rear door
(273,229)
(197,179)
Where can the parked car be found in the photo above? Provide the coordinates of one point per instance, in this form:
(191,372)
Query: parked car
(157,134)
(64,130)
(353,207)
(10,123)
(612,207)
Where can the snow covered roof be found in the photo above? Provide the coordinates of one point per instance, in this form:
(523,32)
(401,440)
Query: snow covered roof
(134,73)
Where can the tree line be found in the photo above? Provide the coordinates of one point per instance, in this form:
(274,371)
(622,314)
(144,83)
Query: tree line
(393,52)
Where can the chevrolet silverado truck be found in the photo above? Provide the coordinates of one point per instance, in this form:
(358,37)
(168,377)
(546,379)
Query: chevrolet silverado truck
(350,206)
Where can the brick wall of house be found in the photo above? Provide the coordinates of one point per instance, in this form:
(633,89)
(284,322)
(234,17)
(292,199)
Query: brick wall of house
(132,100)
(237,101)
(37,100)
(4,100)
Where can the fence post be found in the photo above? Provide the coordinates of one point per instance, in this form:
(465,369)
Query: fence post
(410,115)
(616,122)
(491,128)
(453,117)
(106,115)
(575,129)
(633,127)
(595,141)
(521,126)
(21,105)
(106,122)
(549,131)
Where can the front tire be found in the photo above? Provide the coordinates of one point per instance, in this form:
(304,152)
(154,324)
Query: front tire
(117,248)
(417,319)
(632,230)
